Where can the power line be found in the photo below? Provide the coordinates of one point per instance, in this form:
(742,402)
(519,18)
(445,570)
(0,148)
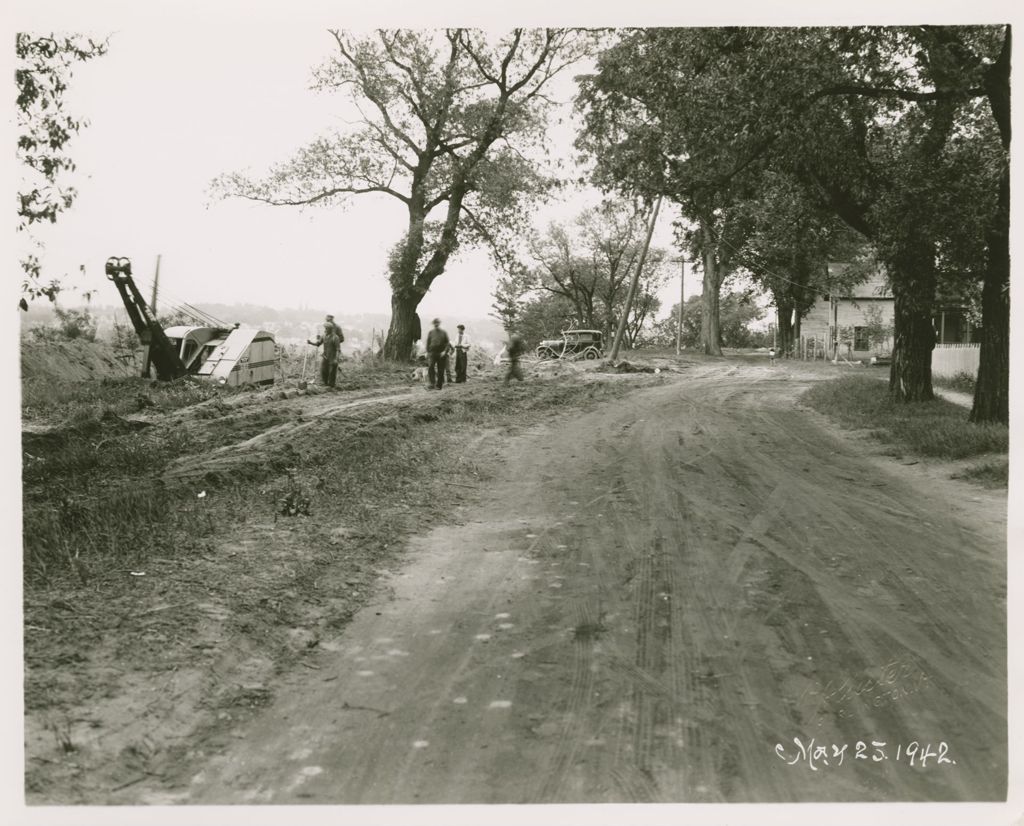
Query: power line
(184,308)
(762,267)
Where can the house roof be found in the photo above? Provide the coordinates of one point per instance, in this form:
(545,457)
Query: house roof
(873,286)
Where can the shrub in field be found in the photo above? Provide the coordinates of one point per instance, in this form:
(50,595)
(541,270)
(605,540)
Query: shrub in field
(76,324)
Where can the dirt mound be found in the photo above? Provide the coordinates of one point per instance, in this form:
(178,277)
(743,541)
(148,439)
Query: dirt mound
(75,360)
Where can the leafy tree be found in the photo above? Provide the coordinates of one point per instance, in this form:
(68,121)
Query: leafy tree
(641,111)
(788,247)
(737,311)
(45,65)
(590,263)
(878,330)
(878,122)
(580,273)
(445,119)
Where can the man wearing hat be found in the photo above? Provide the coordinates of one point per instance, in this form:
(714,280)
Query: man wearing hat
(438,345)
(461,346)
(331,341)
(329,322)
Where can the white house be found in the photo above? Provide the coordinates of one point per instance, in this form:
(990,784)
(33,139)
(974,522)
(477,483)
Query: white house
(845,319)
(870,305)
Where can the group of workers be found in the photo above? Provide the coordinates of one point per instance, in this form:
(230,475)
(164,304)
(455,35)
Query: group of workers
(439,347)
(439,351)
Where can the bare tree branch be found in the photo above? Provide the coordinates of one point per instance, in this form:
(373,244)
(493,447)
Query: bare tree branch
(365,86)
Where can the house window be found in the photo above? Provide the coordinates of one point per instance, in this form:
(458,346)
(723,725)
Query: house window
(860,338)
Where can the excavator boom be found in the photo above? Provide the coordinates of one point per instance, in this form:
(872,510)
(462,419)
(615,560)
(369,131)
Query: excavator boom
(162,354)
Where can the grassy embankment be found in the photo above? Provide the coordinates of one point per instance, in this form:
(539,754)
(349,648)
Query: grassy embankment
(935,429)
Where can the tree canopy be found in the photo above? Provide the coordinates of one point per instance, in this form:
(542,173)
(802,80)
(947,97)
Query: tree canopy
(900,132)
(578,275)
(45,65)
(450,124)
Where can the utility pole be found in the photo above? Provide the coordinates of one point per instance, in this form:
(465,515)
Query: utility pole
(152,306)
(156,283)
(682,299)
(620,332)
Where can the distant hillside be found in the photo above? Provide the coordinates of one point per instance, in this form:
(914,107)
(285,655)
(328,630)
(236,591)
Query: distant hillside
(290,325)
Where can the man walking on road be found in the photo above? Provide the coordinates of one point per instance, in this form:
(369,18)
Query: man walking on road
(516,347)
(461,346)
(437,351)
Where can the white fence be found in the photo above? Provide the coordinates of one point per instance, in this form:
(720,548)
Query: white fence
(950,359)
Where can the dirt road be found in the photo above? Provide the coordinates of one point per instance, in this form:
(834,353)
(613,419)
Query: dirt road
(650,604)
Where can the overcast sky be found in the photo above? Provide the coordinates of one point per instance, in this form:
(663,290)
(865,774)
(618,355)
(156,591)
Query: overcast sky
(174,104)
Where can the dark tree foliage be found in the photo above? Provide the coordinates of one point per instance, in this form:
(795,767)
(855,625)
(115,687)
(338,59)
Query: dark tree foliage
(901,132)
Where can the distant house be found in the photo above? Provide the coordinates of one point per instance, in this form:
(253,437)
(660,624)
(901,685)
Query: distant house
(953,326)
(859,321)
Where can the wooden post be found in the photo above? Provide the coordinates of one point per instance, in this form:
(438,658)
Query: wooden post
(632,284)
(152,306)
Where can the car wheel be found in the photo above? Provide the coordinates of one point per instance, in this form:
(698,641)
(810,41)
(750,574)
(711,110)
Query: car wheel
(590,355)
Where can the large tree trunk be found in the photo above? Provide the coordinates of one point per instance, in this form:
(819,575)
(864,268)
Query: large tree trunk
(784,317)
(992,388)
(710,328)
(409,281)
(398,346)
(910,378)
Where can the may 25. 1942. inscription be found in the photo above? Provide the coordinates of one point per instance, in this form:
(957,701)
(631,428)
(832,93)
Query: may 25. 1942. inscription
(814,755)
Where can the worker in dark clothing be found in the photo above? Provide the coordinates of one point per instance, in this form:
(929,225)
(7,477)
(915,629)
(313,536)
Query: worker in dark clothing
(461,346)
(331,342)
(437,351)
(515,348)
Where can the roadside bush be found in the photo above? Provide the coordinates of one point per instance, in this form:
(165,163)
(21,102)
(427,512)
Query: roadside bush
(937,428)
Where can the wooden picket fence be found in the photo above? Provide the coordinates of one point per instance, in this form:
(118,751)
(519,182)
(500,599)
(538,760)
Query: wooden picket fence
(950,359)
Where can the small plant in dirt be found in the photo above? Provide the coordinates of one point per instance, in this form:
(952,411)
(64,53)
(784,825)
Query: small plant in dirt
(61,731)
(293,503)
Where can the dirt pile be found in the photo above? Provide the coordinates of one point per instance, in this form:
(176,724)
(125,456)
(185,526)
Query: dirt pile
(75,360)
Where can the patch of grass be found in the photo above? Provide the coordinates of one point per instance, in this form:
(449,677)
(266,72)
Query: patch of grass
(961,382)
(78,401)
(994,473)
(937,428)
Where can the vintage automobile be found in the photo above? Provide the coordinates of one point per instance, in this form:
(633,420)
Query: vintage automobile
(574,344)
